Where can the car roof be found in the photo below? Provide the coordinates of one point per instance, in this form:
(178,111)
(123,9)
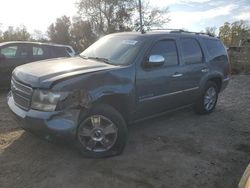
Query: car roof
(37,43)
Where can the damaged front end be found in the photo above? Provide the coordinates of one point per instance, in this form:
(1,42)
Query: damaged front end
(51,114)
(55,108)
(74,100)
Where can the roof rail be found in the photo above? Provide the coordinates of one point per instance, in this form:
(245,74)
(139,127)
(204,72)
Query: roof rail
(183,31)
(199,33)
(180,30)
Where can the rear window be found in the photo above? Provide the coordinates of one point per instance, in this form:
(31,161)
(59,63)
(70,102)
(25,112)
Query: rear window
(69,50)
(215,47)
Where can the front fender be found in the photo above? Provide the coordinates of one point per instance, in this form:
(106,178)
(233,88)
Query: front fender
(88,89)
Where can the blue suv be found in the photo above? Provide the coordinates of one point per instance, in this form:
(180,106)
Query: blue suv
(120,79)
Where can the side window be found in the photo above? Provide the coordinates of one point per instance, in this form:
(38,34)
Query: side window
(191,50)
(9,51)
(166,48)
(215,47)
(37,51)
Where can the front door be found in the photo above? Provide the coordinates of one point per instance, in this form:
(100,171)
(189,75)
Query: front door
(157,88)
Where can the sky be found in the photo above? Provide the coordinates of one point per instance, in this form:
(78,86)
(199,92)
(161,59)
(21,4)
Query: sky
(193,15)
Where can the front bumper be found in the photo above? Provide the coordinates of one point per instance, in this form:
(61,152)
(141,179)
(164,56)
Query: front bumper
(59,124)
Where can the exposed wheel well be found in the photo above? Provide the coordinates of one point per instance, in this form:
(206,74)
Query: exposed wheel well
(118,102)
(217,81)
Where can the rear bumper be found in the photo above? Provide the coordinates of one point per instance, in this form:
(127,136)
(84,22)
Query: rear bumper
(49,125)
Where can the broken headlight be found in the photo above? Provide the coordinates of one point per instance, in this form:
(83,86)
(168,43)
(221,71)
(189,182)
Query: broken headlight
(46,100)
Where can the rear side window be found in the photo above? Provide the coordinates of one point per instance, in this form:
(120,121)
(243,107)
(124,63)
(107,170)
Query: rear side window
(191,50)
(37,51)
(166,48)
(215,47)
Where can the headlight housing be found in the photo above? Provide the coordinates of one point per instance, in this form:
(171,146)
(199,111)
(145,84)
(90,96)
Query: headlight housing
(45,100)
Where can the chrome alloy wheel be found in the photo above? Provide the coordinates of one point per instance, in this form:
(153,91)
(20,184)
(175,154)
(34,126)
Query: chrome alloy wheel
(97,133)
(210,98)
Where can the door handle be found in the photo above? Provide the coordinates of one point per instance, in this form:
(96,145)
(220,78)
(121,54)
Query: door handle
(177,75)
(204,70)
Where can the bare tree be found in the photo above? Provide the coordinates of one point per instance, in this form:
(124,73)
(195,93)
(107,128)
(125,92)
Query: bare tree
(211,30)
(59,31)
(38,35)
(152,17)
(232,33)
(82,34)
(18,33)
(107,16)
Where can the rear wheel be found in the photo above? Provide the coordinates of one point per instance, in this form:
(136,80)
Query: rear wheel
(207,101)
(102,132)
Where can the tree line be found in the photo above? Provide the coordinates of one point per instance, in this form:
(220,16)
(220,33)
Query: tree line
(97,18)
(94,18)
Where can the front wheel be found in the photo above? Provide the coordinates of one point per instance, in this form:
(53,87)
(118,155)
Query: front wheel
(102,132)
(207,101)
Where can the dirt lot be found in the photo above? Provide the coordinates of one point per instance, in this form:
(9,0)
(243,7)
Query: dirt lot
(178,150)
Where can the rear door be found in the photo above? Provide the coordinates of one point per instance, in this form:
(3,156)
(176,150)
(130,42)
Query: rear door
(194,67)
(40,52)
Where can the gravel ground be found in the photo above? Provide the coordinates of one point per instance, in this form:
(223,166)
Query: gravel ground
(177,150)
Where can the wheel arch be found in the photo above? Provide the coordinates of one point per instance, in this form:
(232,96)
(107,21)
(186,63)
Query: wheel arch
(119,102)
(214,77)
(218,81)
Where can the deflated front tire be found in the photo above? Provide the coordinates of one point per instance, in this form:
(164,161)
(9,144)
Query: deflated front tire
(102,132)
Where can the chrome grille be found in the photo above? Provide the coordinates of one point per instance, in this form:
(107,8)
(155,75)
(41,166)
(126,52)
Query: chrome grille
(22,94)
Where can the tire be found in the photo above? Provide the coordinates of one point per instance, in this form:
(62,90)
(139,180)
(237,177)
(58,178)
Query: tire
(92,134)
(201,106)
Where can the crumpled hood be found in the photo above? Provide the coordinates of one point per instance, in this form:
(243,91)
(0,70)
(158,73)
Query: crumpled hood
(42,74)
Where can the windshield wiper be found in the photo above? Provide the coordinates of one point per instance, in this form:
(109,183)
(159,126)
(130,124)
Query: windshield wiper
(102,59)
(105,60)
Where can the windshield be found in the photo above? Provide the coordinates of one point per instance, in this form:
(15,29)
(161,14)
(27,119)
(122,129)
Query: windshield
(115,50)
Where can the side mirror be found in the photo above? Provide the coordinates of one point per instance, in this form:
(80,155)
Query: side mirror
(156,61)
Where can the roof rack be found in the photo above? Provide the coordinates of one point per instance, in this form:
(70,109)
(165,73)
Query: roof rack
(183,31)
(179,30)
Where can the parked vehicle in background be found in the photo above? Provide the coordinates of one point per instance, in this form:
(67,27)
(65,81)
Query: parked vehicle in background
(120,79)
(13,54)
